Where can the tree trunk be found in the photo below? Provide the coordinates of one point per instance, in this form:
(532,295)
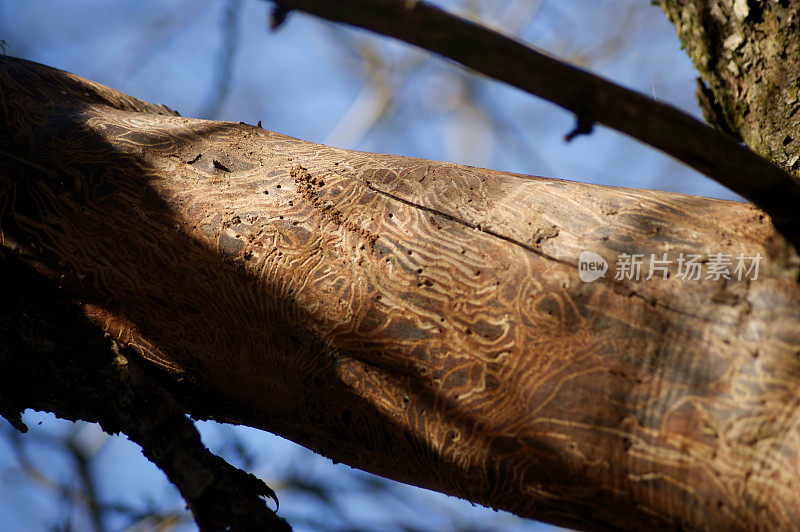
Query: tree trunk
(748,55)
(424,321)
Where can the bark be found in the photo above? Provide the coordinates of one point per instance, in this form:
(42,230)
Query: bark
(420,320)
(748,54)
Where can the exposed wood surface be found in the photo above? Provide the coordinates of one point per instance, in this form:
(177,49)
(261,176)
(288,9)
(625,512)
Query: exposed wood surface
(421,320)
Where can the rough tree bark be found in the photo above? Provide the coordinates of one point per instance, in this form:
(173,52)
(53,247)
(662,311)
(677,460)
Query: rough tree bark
(421,320)
(748,54)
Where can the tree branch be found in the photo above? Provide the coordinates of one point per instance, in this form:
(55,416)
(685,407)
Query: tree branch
(423,321)
(53,359)
(748,53)
(590,97)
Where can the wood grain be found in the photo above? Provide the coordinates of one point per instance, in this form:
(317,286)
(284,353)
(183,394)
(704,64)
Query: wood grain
(422,320)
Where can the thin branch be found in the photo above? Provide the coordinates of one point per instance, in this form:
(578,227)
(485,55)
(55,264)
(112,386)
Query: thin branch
(102,384)
(592,98)
(223,74)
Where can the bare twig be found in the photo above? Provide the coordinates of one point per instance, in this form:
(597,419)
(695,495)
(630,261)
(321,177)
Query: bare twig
(102,384)
(223,75)
(590,97)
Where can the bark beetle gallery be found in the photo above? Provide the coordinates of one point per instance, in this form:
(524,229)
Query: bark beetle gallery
(424,321)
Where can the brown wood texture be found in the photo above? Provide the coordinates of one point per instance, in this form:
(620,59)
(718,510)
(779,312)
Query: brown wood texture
(421,320)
